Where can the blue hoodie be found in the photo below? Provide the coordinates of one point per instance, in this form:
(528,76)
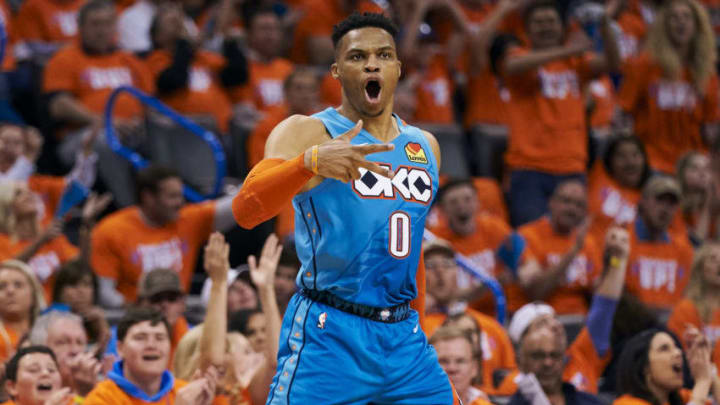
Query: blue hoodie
(116,376)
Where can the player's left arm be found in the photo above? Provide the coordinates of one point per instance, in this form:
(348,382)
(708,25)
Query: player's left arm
(434,145)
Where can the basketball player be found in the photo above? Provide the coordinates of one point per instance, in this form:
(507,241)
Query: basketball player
(361,182)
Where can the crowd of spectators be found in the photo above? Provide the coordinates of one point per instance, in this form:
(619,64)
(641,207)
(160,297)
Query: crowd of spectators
(581,172)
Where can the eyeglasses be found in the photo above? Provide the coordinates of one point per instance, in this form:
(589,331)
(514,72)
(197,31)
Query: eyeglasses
(169,296)
(541,356)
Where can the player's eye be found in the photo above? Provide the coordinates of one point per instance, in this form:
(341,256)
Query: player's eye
(356,57)
(385,55)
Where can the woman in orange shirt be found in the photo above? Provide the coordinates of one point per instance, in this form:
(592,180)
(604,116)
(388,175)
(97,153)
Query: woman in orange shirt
(651,371)
(700,215)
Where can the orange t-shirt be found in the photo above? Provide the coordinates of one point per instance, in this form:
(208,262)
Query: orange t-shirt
(124,246)
(547,116)
(487,99)
(583,370)
(91,79)
(265,87)
(668,114)
(603,95)
(497,350)
(8,346)
(319,17)
(434,94)
(608,202)
(481,249)
(686,313)
(48,20)
(46,261)
(108,393)
(627,399)
(179,330)
(258,137)
(658,272)
(50,189)
(11,36)
(548,248)
(204,93)
(633,29)
(490,201)
(330,91)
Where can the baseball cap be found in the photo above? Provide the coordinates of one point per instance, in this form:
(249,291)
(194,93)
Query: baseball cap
(659,185)
(438,246)
(525,316)
(158,281)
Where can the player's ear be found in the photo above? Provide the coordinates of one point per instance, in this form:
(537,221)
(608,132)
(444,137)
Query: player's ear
(399,69)
(334,71)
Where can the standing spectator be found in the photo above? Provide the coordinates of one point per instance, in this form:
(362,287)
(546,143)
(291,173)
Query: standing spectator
(142,374)
(569,259)
(45,26)
(700,308)
(548,138)
(311,41)
(671,90)
(21,300)
(457,357)
(134,26)
(190,80)
(651,371)
(160,232)
(700,207)
(32,378)
(660,261)
(78,81)
(615,183)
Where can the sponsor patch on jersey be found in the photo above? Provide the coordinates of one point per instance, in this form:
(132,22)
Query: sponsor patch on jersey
(415,153)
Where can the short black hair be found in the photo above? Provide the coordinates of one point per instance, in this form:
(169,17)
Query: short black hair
(251,11)
(70,274)
(454,183)
(289,256)
(91,6)
(149,179)
(11,368)
(534,6)
(136,315)
(356,21)
(238,321)
(618,140)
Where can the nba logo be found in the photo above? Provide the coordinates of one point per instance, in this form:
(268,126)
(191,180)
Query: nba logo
(321,320)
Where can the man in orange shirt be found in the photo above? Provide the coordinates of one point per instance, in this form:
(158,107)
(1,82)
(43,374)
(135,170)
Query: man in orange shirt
(45,26)
(569,260)
(78,81)
(158,233)
(548,139)
(141,376)
(659,261)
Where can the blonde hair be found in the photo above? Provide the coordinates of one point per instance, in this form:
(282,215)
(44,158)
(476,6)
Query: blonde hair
(696,290)
(37,291)
(702,50)
(8,222)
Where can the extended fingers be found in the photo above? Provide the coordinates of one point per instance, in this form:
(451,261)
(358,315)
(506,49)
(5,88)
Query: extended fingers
(373,148)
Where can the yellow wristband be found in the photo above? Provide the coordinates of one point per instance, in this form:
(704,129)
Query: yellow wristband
(314,159)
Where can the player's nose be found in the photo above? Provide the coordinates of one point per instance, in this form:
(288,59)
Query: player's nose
(372,64)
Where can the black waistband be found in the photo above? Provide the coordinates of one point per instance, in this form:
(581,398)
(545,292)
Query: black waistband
(394,314)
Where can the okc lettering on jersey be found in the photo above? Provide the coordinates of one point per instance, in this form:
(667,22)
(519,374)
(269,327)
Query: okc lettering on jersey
(439,89)
(616,207)
(199,79)
(167,255)
(488,345)
(271,91)
(674,95)
(412,183)
(627,44)
(577,271)
(655,274)
(44,265)
(559,84)
(108,78)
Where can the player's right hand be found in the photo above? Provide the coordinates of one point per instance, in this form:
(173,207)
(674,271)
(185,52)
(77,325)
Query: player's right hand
(341,160)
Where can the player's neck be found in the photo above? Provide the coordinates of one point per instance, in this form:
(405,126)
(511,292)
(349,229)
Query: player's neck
(382,126)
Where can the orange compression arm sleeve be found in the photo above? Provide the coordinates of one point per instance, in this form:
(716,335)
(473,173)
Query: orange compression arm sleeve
(271,184)
(418,304)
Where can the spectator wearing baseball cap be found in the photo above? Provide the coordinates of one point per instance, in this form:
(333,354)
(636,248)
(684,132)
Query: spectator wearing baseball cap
(659,266)
(547,365)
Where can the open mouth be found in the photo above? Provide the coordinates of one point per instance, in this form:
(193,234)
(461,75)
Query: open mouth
(151,357)
(677,369)
(44,387)
(372,91)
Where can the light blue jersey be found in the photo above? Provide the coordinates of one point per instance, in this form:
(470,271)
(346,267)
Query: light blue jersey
(361,241)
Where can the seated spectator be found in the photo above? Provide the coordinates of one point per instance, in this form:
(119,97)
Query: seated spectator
(651,371)
(680,113)
(442,289)
(700,308)
(456,356)
(78,81)
(193,81)
(28,386)
(535,329)
(660,261)
(569,260)
(251,323)
(43,248)
(160,232)
(477,236)
(76,290)
(548,140)
(615,183)
(19,150)
(64,334)
(45,26)
(311,40)
(700,207)
(268,70)
(141,374)
(21,300)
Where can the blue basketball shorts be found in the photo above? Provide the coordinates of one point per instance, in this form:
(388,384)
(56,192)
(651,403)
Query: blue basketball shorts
(327,356)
